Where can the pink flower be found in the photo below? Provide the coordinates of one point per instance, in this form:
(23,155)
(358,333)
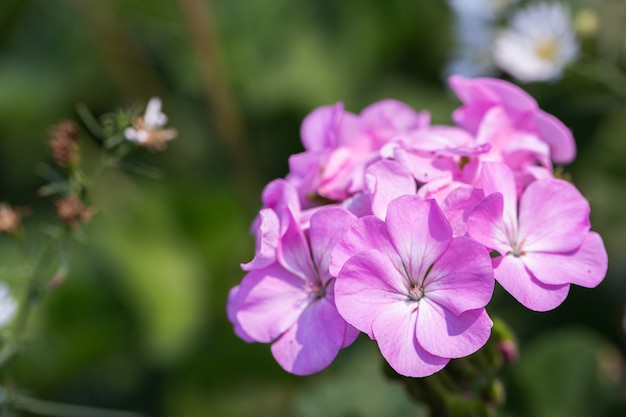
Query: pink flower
(339,145)
(544,244)
(290,303)
(411,286)
(480,95)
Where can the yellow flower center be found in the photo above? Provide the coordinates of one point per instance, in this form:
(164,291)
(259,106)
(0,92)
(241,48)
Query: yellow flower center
(547,49)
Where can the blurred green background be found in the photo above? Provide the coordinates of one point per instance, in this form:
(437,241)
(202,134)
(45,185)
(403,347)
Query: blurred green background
(139,324)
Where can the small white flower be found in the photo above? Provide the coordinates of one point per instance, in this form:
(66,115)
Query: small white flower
(148,130)
(8,305)
(538,44)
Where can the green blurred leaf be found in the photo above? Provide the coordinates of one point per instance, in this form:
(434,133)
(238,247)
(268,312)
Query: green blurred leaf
(159,272)
(569,373)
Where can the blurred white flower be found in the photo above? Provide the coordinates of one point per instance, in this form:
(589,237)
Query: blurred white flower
(472,54)
(474,23)
(480,9)
(8,305)
(538,44)
(148,130)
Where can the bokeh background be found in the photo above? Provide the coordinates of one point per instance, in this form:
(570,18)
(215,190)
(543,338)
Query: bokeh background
(139,323)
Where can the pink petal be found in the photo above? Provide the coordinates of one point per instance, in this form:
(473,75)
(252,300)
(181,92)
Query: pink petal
(313,342)
(498,178)
(367,283)
(387,118)
(585,266)
(554,216)
(445,334)
(485,224)
(511,273)
(365,233)
(462,278)
(419,231)
(387,180)
(458,205)
(269,302)
(394,331)
(557,135)
(267,234)
(328,226)
(294,254)
(232,306)
(318,130)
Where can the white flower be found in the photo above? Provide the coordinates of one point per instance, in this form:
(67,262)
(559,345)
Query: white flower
(149,130)
(480,9)
(8,305)
(472,55)
(538,44)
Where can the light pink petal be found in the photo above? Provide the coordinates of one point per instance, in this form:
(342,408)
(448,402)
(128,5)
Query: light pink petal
(313,342)
(445,334)
(351,332)
(304,169)
(319,128)
(585,266)
(462,278)
(419,231)
(327,227)
(485,224)
(387,118)
(367,283)
(364,234)
(387,180)
(267,233)
(557,135)
(281,195)
(359,204)
(498,178)
(420,165)
(270,300)
(336,173)
(232,307)
(294,254)
(458,205)
(394,331)
(511,273)
(554,216)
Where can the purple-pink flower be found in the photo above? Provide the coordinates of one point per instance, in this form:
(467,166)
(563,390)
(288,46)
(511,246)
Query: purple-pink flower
(290,303)
(412,287)
(544,242)
(392,226)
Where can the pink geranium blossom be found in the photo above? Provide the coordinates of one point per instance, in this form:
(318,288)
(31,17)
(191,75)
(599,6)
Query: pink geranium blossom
(290,303)
(480,95)
(544,245)
(411,286)
(339,145)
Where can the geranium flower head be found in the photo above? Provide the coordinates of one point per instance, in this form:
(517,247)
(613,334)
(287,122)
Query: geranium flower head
(411,286)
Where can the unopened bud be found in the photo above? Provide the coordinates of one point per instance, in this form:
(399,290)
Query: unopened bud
(73,212)
(64,143)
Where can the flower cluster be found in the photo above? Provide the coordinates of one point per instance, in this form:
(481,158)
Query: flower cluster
(389,225)
(534,43)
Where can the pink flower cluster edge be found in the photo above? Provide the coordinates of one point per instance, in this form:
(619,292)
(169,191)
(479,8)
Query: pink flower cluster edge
(397,228)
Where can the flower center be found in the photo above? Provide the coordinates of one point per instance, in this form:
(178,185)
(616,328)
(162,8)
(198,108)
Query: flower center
(315,291)
(547,49)
(416,293)
(517,250)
